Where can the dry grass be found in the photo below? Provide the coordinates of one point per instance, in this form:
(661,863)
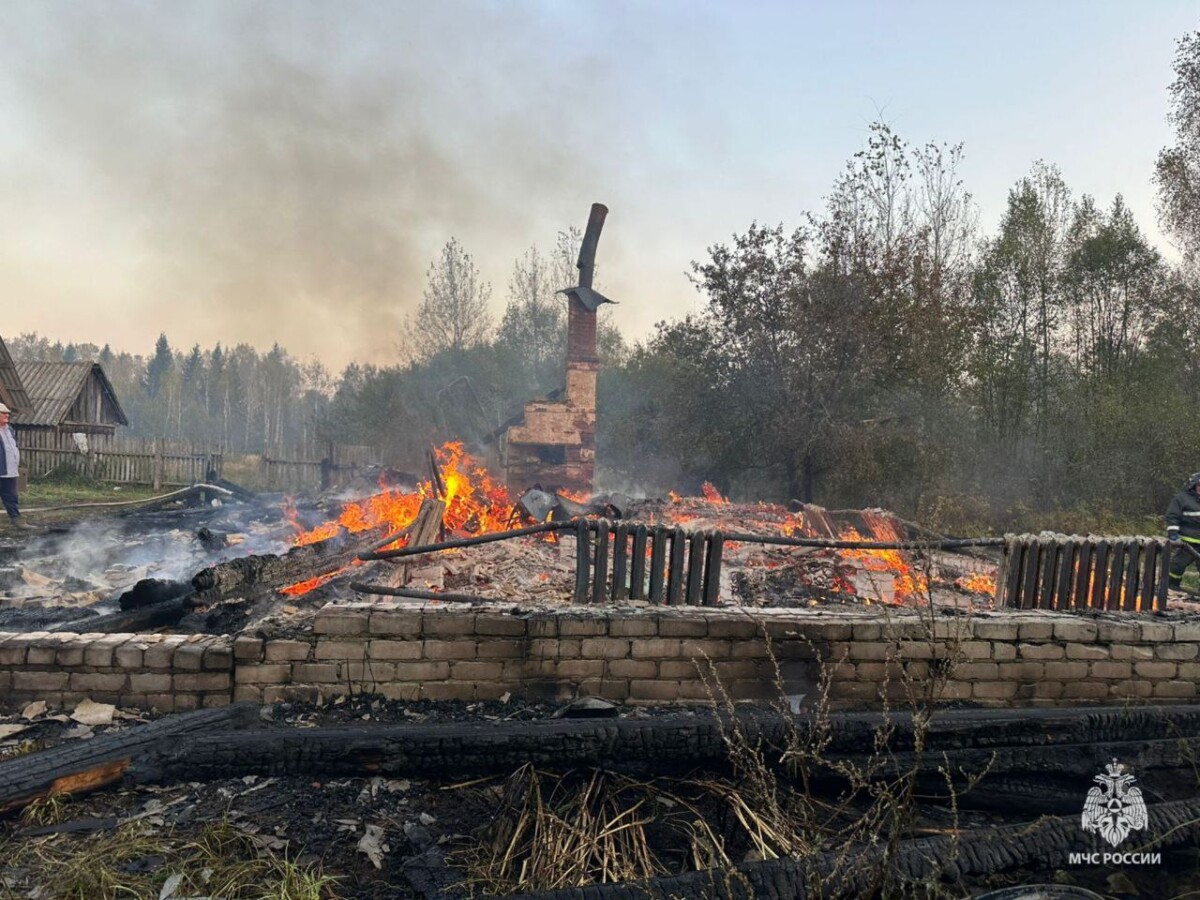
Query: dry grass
(49,810)
(553,832)
(136,860)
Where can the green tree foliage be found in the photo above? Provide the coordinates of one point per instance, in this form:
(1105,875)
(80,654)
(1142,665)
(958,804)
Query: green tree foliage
(534,326)
(453,314)
(1177,172)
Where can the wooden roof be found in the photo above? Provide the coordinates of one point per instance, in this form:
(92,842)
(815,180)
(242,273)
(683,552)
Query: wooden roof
(12,391)
(56,387)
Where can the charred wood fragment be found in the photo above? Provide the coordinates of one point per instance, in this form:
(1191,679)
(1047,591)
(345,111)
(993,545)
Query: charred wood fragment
(150,591)
(156,615)
(83,766)
(259,573)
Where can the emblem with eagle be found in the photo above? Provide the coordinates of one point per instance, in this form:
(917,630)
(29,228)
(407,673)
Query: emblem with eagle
(1115,809)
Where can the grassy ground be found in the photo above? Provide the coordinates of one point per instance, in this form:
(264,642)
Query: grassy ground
(244,469)
(70,491)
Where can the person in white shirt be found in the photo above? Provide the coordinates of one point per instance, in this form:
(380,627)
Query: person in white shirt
(10,458)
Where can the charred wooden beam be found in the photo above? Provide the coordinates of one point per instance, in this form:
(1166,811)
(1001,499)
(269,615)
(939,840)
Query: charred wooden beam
(1042,743)
(266,572)
(83,766)
(156,615)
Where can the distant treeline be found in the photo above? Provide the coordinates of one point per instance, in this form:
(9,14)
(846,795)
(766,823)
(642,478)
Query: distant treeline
(884,352)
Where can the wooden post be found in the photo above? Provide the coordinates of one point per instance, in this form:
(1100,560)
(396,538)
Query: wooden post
(158,464)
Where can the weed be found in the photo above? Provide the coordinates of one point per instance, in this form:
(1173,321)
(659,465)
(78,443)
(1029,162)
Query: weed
(136,860)
(50,810)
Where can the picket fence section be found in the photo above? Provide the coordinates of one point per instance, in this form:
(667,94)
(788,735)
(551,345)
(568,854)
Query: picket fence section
(167,464)
(157,463)
(344,464)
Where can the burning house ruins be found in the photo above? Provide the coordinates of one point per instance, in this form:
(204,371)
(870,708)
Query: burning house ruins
(461,588)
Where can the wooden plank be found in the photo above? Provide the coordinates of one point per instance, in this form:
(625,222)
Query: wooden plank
(1044,589)
(620,563)
(1116,576)
(1083,572)
(658,552)
(1133,567)
(712,569)
(583,566)
(637,569)
(1066,574)
(1099,575)
(695,569)
(675,574)
(600,569)
(1008,579)
(1149,573)
(1029,578)
(1164,575)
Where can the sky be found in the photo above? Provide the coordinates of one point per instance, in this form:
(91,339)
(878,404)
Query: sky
(260,172)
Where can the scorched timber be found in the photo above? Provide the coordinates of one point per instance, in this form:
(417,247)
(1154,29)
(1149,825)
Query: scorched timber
(132,621)
(257,574)
(83,766)
(1005,738)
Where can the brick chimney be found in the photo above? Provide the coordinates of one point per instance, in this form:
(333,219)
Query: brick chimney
(555,445)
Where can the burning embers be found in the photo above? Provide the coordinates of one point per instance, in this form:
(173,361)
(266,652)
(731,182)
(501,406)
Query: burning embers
(754,572)
(475,503)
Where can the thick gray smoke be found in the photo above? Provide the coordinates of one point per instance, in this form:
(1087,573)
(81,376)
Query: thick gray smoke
(286,171)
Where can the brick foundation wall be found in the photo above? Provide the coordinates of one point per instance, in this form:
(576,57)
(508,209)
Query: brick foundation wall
(405,651)
(170,673)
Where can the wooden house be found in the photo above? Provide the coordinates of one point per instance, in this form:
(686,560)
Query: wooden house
(67,398)
(12,391)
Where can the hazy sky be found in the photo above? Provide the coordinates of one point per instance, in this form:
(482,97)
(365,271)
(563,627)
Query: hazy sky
(285,171)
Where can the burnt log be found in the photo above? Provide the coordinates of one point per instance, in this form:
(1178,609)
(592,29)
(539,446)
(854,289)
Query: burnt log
(257,574)
(157,615)
(1048,759)
(150,591)
(448,748)
(854,733)
(80,767)
(672,741)
(151,603)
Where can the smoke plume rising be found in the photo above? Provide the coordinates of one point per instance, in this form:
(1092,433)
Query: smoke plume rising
(276,171)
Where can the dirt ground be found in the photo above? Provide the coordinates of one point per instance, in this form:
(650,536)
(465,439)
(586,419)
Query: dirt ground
(361,835)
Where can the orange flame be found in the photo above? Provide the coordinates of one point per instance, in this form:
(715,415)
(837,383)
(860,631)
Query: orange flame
(908,582)
(711,494)
(475,504)
(977,583)
(303,587)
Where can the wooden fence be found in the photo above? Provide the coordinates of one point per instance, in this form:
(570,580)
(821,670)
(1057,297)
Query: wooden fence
(342,464)
(157,463)
(164,464)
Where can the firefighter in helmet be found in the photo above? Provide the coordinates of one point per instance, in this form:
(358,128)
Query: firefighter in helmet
(1183,529)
